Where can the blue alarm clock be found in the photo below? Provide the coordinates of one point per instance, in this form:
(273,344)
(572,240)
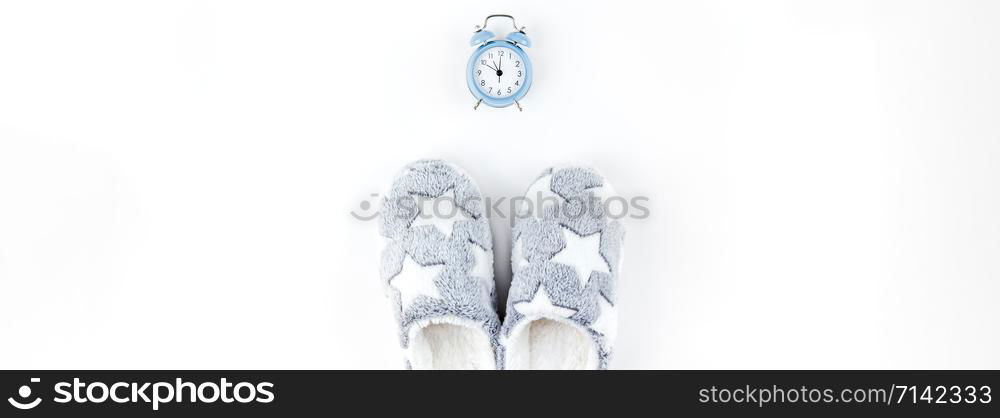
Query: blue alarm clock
(499,71)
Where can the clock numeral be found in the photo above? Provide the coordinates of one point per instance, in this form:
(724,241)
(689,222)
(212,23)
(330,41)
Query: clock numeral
(517,83)
(501,52)
(479,72)
(491,90)
(482,62)
(508,90)
(482,82)
(519,73)
(517,63)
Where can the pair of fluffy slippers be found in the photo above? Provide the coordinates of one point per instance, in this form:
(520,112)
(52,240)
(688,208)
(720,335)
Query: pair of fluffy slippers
(437,268)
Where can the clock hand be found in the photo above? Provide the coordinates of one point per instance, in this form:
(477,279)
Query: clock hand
(488,66)
(500,69)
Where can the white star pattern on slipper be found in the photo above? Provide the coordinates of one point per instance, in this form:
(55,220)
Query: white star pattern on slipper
(517,256)
(441,212)
(482,262)
(582,254)
(415,280)
(607,323)
(482,269)
(537,197)
(541,306)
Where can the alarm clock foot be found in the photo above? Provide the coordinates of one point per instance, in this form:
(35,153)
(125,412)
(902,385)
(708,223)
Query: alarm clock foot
(477,104)
(519,109)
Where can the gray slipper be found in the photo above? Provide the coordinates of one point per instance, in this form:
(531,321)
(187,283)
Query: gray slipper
(437,268)
(565,262)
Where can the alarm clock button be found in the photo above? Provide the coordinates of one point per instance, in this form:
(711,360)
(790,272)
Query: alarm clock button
(519,38)
(480,37)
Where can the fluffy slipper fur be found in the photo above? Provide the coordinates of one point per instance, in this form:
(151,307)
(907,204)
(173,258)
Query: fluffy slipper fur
(437,268)
(565,261)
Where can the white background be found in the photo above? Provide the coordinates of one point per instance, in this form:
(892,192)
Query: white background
(176,178)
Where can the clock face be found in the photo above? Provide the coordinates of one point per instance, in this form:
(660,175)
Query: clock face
(499,72)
